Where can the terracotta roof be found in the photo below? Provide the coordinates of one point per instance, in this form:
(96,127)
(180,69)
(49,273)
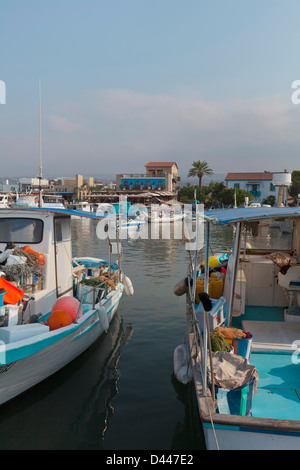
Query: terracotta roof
(161,164)
(265,175)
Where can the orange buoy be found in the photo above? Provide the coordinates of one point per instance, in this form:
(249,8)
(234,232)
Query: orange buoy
(40,257)
(58,319)
(69,305)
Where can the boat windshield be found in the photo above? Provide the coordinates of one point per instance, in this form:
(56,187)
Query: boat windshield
(21,230)
(269,235)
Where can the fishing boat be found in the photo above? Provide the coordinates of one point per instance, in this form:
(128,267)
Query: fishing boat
(243,332)
(53,201)
(53,307)
(50,201)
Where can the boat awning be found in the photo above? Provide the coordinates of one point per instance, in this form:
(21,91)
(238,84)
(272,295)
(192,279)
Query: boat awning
(70,212)
(230,216)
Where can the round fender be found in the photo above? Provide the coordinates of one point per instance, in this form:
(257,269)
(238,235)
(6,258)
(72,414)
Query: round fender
(127,285)
(103,318)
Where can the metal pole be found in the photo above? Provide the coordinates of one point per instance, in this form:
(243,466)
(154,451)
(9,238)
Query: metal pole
(205,325)
(235,266)
(40,172)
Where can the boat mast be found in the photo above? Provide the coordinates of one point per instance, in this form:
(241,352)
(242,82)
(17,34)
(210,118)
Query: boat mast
(40,169)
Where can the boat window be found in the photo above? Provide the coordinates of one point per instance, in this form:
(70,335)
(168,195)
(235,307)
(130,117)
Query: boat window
(62,229)
(21,230)
(269,235)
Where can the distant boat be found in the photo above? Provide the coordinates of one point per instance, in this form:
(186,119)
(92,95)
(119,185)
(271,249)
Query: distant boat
(48,201)
(164,215)
(4,201)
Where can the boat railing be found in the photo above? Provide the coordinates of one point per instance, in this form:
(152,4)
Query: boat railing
(201,322)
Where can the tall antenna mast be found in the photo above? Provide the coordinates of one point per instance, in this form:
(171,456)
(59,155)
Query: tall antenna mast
(41,167)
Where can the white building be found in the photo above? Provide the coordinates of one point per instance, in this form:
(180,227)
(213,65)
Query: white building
(27,184)
(259,184)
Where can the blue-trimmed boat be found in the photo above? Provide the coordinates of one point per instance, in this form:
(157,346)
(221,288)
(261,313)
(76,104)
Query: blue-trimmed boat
(37,271)
(259,304)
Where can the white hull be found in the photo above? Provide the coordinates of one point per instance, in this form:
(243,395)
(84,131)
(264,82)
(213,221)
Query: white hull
(19,376)
(249,440)
(165,219)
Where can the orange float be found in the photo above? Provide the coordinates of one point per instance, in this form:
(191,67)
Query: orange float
(40,257)
(58,319)
(69,305)
(12,293)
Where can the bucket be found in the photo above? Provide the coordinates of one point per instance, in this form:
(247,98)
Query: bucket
(237,401)
(242,346)
(199,289)
(215,288)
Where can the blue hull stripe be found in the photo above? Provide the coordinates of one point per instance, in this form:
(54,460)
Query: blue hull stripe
(9,354)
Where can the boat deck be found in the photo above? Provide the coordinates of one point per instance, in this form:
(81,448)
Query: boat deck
(278,391)
(276,360)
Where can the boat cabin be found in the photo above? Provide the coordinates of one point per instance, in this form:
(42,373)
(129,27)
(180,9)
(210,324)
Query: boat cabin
(48,234)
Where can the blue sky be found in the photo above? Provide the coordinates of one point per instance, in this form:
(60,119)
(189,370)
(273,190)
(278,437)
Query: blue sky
(125,82)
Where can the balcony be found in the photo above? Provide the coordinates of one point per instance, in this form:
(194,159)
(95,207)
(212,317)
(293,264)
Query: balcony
(255,193)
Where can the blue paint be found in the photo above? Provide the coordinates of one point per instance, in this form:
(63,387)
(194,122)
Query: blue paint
(278,394)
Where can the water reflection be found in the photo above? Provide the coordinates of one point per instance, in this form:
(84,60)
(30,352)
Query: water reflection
(71,409)
(188,433)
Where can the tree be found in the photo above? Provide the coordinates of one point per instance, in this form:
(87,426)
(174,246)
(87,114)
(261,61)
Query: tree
(294,189)
(200,169)
(227,196)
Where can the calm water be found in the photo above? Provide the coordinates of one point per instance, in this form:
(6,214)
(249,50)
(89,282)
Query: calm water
(120,394)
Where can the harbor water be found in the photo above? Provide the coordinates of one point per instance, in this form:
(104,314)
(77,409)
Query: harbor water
(121,393)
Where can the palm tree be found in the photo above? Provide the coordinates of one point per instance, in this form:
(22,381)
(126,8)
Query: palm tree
(200,169)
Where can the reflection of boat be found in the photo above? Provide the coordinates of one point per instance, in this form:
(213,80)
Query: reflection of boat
(253,299)
(81,395)
(40,336)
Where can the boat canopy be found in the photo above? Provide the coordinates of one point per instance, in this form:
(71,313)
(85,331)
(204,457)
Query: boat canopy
(230,216)
(57,210)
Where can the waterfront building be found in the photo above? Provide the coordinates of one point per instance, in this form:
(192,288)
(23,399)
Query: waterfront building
(259,184)
(160,180)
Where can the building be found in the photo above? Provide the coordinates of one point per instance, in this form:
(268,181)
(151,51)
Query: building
(30,184)
(159,177)
(259,184)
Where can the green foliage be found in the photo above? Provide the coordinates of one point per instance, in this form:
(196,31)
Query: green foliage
(214,193)
(227,196)
(269,200)
(294,189)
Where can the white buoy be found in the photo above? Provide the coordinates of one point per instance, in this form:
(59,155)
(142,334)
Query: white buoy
(103,318)
(127,285)
(182,364)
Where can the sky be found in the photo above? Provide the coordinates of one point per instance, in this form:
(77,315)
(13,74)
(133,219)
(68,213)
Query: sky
(125,82)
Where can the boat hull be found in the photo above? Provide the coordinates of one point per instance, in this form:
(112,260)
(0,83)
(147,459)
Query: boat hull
(242,438)
(18,376)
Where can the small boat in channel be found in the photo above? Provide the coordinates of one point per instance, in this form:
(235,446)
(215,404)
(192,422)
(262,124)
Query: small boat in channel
(164,214)
(243,332)
(52,307)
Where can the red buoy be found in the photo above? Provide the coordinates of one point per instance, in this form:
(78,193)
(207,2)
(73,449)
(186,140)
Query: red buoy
(69,305)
